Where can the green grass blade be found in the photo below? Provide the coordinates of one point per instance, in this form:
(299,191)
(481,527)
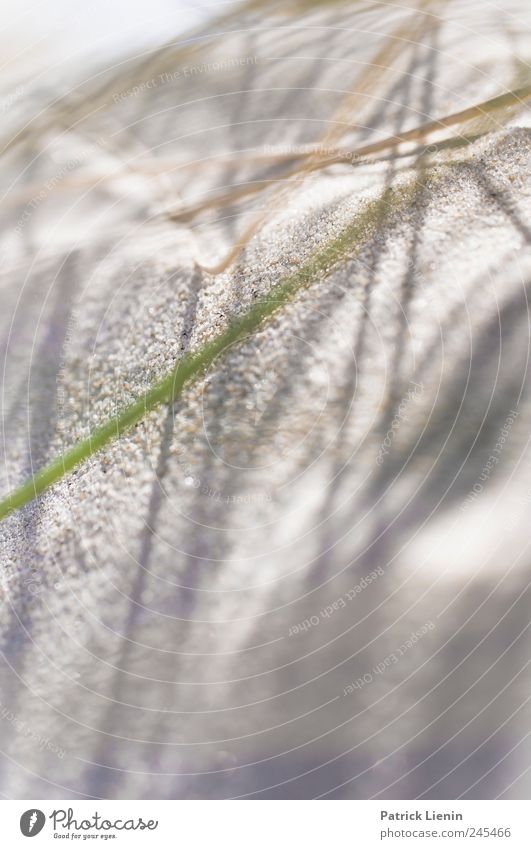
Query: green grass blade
(192,365)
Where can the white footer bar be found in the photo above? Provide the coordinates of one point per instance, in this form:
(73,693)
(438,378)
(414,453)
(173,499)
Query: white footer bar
(266,824)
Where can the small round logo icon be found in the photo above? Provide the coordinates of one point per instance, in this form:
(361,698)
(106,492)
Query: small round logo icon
(31,822)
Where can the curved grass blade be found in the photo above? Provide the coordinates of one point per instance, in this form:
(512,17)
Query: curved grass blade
(193,365)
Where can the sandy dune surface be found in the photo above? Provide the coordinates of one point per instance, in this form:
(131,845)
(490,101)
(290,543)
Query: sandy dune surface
(309,576)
